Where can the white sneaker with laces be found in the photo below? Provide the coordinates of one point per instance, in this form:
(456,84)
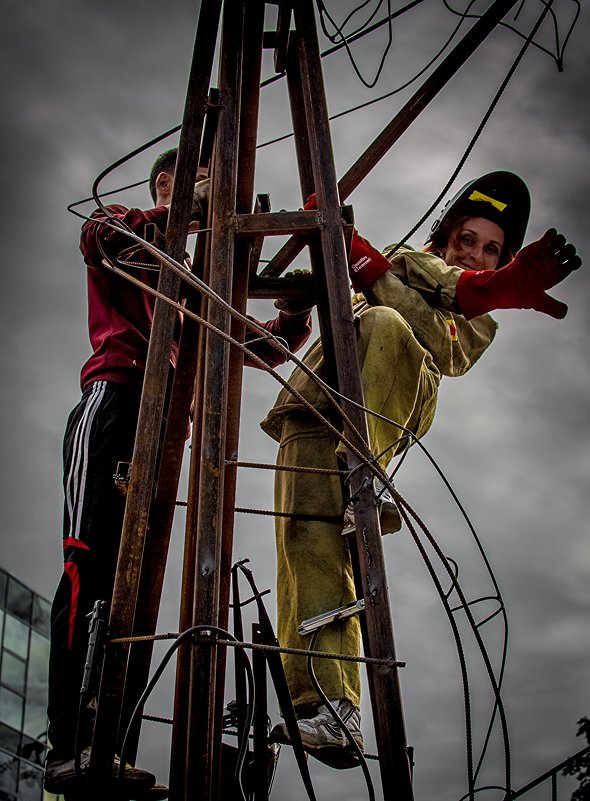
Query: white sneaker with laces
(389,516)
(322,735)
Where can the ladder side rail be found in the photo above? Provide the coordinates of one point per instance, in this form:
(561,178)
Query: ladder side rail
(163,506)
(384,685)
(248,131)
(203,739)
(303,153)
(178,755)
(152,403)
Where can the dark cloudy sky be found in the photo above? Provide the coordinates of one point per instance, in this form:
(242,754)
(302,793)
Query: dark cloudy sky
(84,83)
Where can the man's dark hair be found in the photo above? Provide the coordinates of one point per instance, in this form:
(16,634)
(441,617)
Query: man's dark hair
(166,162)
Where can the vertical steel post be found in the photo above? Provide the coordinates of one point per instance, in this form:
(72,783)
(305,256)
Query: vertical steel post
(168,474)
(379,642)
(249,102)
(146,448)
(207,520)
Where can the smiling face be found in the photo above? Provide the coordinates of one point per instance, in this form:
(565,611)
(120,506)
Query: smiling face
(475,244)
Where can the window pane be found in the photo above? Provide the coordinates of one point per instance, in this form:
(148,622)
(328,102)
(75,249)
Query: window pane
(41,614)
(11,708)
(8,771)
(13,672)
(3,583)
(33,750)
(30,783)
(36,700)
(19,600)
(16,636)
(9,739)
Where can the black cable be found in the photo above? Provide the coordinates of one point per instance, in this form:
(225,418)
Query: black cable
(341,724)
(559,51)
(400,88)
(478,131)
(106,194)
(339,36)
(351,38)
(406,510)
(108,170)
(243,747)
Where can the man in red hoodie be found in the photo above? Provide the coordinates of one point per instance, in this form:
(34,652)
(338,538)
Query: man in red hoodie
(100,433)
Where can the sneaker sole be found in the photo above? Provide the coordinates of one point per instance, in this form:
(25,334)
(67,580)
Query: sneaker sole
(156,793)
(335,756)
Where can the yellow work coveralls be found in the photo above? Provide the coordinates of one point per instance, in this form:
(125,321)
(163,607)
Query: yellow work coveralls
(409,334)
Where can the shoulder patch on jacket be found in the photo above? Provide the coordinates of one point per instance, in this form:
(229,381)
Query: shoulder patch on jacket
(452,329)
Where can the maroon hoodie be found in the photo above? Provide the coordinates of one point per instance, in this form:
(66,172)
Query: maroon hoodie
(120,314)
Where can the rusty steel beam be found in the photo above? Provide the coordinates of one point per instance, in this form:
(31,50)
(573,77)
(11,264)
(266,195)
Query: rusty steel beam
(276,223)
(152,403)
(282,39)
(403,119)
(262,206)
(179,756)
(206,520)
(170,463)
(379,642)
(248,132)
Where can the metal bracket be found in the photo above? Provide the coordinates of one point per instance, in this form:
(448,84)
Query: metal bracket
(313,623)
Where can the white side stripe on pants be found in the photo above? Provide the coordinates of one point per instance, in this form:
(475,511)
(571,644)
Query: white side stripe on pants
(76,478)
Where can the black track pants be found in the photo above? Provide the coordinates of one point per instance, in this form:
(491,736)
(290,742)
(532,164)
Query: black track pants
(100,432)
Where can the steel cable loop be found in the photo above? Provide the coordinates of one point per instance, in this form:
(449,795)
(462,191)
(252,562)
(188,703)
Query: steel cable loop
(559,51)
(340,37)
(407,511)
(179,638)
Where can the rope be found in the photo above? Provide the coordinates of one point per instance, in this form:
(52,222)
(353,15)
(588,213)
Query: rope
(289,469)
(253,646)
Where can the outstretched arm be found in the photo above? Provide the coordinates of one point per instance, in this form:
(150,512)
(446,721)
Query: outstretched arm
(523,283)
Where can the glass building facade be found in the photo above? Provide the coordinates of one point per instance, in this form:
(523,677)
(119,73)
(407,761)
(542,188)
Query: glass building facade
(24,654)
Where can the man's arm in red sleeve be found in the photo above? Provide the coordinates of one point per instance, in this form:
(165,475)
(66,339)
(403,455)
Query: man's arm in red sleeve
(114,241)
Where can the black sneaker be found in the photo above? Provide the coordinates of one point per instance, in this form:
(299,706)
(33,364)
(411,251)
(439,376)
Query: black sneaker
(61,776)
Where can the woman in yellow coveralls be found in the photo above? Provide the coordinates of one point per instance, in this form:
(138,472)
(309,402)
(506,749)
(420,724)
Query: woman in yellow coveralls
(420,315)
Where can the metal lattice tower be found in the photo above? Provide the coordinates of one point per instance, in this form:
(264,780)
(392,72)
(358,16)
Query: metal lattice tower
(220,127)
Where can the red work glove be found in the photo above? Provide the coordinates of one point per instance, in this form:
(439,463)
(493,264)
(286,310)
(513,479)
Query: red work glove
(365,264)
(521,284)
